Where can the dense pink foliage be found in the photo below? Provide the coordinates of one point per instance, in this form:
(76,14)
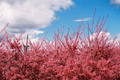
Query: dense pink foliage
(71,58)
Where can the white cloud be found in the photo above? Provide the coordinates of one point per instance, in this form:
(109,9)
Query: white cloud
(105,35)
(84,19)
(118,35)
(30,15)
(115,1)
(33,40)
(30,33)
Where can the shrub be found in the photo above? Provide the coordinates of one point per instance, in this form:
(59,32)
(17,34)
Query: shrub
(71,58)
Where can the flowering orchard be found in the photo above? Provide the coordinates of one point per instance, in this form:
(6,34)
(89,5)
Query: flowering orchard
(71,58)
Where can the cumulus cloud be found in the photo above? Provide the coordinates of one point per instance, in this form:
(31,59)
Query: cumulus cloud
(118,35)
(31,33)
(30,15)
(33,40)
(84,19)
(115,1)
(106,35)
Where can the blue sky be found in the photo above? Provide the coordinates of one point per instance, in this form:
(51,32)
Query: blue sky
(37,18)
(85,9)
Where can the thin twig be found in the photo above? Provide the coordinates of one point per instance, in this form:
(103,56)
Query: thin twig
(26,43)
